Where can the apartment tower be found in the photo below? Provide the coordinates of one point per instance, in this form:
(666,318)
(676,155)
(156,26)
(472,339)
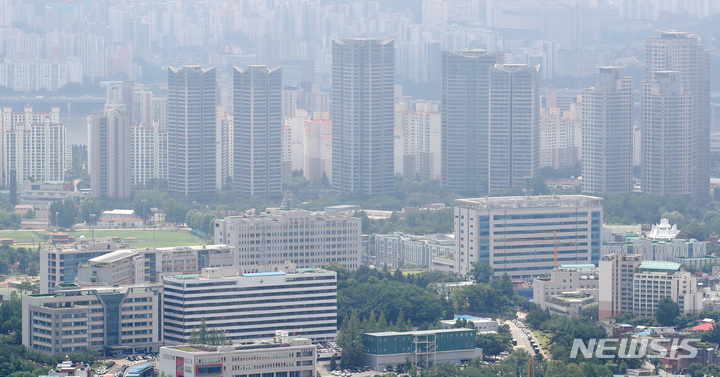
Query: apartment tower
(363,116)
(607,133)
(680,52)
(192,156)
(257,131)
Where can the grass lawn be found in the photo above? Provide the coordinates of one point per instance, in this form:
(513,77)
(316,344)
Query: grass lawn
(542,338)
(23,236)
(162,238)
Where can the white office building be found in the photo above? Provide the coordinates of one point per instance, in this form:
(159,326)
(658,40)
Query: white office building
(249,306)
(111,320)
(527,237)
(568,290)
(305,238)
(283,356)
(148,147)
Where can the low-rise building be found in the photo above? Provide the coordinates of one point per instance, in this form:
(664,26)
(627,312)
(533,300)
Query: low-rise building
(111,320)
(482,325)
(283,356)
(568,290)
(137,266)
(398,250)
(59,265)
(421,348)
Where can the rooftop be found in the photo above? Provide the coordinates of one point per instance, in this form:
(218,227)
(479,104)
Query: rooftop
(422,332)
(543,201)
(659,266)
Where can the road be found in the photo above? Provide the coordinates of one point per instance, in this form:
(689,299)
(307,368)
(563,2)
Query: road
(519,335)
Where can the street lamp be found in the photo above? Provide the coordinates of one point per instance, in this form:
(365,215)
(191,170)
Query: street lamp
(92,230)
(143,213)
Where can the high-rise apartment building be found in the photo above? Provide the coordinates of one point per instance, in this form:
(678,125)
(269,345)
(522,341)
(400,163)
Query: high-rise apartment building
(318,149)
(607,133)
(258,126)
(616,271)
(33,145)
(149,153)
(682,53)
(669,164)
(109,152)
(423,142)
(520,235)
(465,113)
(363,115)
(192,149)
(560,136)
(514,135)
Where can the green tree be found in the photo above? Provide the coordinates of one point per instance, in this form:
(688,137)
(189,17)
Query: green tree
(63,213)
(206,336)
(333,363)
(30,214)
(667,311)
(90,207)
(481,272)
(351,342)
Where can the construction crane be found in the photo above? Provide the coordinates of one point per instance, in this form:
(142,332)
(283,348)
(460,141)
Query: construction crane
(555,244)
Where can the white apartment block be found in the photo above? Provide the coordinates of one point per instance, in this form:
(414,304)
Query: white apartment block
(293,139)
(675,250)
(34,75)
(148,147)
(318,149)
(226,122)
(305,238)
(654,280)
(33,145)
(398,250)
(423,142)
(283,356)
(630,285)
(137,266)
(519,235)
(251,306)
(568,290)
(560,137)
(110,320)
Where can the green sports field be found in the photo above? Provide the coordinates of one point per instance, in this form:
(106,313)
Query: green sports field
(146,238)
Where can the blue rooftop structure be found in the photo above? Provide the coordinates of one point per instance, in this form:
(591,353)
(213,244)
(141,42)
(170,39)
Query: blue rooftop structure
(141,370)
(466,317)
(276,273)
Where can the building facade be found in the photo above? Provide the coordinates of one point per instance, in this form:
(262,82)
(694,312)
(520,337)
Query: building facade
(33,145)
(514,136)
(607,133)
(59,265)
(305,238)
(138,266)
(192,144)
(669,155)
(318,150)
(363,115)
(258,124)
(688,107)
(109,152)
(284,356)
(149,153)
(423,142)
(111,320)
(465,110)
(421,348)
(568,290)
(251,306)
(519,235)
(398,250)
